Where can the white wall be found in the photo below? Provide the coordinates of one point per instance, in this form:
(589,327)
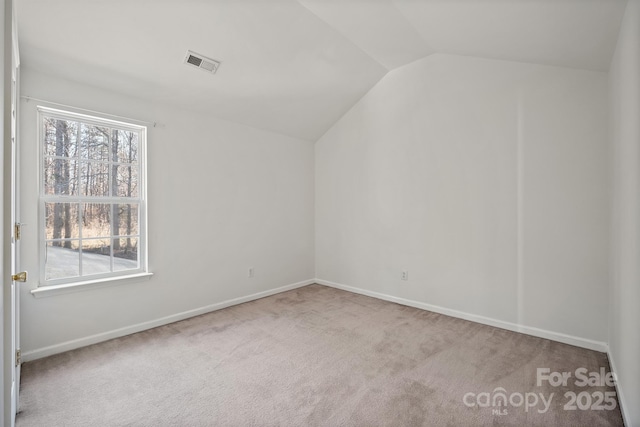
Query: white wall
(624,336)
(222,198)
(487,180)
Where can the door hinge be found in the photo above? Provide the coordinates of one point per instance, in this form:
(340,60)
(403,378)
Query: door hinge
(18,357)
(17,230)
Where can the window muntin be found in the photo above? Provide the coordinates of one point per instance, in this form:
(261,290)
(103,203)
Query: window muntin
(92,198)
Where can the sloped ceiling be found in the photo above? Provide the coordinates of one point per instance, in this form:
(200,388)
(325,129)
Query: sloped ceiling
(296,66)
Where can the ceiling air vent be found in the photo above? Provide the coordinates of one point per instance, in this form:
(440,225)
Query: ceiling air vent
(202,62)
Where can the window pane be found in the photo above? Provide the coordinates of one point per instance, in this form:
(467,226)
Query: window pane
(91,187)
(126,184)
(60,177)
(60,138)
(62,260)
(94,179)
(125,146)
(49,132)
(125,252)
(96,220)
(61,220)
(96,256)
(125,220)
(95,142)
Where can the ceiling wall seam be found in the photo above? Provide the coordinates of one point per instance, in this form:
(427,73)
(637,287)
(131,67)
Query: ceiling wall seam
(343,36)
(411,24)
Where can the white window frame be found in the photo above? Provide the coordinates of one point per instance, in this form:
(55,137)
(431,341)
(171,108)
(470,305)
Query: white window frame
(92,279)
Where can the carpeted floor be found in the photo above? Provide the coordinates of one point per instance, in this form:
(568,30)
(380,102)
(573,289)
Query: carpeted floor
(315,356)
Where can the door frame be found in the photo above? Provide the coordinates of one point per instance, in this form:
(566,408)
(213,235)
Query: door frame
(9,253)
(15,218)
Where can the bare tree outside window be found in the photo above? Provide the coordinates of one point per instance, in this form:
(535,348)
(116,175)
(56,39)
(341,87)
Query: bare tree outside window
(91,194)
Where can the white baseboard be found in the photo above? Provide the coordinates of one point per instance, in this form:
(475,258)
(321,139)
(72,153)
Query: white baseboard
(116,333)
(540,333)
(621,401)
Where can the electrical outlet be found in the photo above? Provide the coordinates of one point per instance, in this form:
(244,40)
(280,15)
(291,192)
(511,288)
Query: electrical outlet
(250,272)
(405,275)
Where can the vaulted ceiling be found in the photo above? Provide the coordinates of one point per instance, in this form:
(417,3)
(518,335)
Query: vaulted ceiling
(296,66)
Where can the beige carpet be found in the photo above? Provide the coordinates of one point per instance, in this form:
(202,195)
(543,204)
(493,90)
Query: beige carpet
(315,356)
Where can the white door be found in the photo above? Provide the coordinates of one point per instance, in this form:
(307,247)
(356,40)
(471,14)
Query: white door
(16,275)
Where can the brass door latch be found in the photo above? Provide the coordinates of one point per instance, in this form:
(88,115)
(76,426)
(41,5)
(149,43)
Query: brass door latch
(20,277)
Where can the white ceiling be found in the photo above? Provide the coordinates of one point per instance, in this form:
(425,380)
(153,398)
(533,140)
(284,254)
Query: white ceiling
(296,66)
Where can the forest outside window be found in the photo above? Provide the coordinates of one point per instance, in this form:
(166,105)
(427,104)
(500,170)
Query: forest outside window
(92,198)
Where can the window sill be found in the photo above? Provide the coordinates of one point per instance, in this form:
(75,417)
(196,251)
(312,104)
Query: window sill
(48,291)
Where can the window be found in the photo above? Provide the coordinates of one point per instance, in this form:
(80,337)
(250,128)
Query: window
(92,198)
